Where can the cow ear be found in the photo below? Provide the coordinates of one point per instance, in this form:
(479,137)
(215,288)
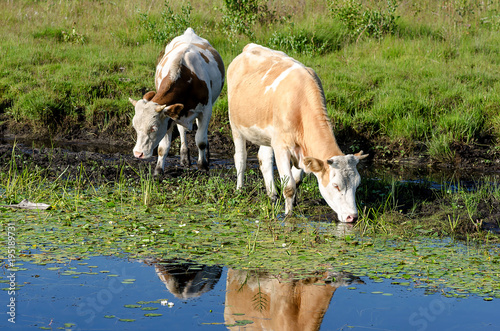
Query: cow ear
(360,155)
(313,165)
(132,101)
(148,96)
(173,111)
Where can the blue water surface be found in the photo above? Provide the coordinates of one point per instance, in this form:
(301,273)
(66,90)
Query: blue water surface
(213,298)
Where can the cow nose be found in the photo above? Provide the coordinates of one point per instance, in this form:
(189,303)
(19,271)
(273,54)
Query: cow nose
(351,218)
(139,155)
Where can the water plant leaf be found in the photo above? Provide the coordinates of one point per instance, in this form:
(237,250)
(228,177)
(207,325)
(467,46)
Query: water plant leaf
(132,306)
(240,323)
(149,308)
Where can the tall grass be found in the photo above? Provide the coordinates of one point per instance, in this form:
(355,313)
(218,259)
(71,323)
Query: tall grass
(399,71)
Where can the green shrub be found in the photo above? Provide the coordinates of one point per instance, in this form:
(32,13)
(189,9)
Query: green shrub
(239,17)
(300,42)
(169,26)
(73,37)
(359,20)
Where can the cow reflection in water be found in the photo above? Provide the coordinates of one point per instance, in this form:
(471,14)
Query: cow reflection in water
(186,280)
(276,304)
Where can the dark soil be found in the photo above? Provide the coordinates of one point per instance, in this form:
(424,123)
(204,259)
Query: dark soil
(468,160)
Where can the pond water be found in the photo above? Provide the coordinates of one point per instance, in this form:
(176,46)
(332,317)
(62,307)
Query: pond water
(108,293)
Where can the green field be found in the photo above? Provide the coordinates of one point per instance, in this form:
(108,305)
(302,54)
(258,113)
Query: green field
(409,74)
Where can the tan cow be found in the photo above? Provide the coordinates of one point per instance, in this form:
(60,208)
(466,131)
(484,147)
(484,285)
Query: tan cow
(278,103)
(189,78)
(271,303)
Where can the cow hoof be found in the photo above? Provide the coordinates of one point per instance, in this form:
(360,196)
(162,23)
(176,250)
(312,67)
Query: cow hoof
(203,166)
(158,172)
(185,161)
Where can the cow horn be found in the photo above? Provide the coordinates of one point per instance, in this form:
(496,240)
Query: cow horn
(160,108)
(360,155)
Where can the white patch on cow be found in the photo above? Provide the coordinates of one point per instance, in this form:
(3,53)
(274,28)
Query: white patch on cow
(252,45)
(282,76)
(258,135)
(267,73)
(175,51)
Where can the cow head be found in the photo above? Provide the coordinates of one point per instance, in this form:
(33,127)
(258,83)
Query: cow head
(338,180)
(151,122)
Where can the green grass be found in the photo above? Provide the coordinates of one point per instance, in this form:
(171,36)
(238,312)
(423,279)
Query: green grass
(431,75)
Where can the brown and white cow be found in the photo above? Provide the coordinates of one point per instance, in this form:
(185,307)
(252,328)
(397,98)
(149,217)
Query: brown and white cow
(278,103)
(185,279)
(189,78)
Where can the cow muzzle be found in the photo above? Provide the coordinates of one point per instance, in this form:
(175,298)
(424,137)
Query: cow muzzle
(351,218)
(139,155)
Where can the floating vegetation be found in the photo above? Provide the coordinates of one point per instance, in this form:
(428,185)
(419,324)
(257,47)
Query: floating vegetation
(84,223)
(132,306)
(450,267)
(128,281)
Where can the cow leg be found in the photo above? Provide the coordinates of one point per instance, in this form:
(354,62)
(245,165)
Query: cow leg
(202,139)
(265,156)
(163,149)
(287,179)
(297,176)
(240,157)
(184,150)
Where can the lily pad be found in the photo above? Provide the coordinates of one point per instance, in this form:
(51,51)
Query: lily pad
(132,306)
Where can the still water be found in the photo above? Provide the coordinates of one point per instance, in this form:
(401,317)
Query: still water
(110,293)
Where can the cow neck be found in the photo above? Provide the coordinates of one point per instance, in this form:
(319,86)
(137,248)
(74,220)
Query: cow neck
(318,140)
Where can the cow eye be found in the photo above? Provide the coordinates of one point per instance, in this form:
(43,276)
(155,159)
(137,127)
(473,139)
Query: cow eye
(153,129)
(336,186)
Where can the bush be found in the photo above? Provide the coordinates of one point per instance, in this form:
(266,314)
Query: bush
(170,25)
(239,17)
(359,20)
(300,42)
(73,37)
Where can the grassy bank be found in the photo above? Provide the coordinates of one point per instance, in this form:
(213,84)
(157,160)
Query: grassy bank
(75,182)
(418,75)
